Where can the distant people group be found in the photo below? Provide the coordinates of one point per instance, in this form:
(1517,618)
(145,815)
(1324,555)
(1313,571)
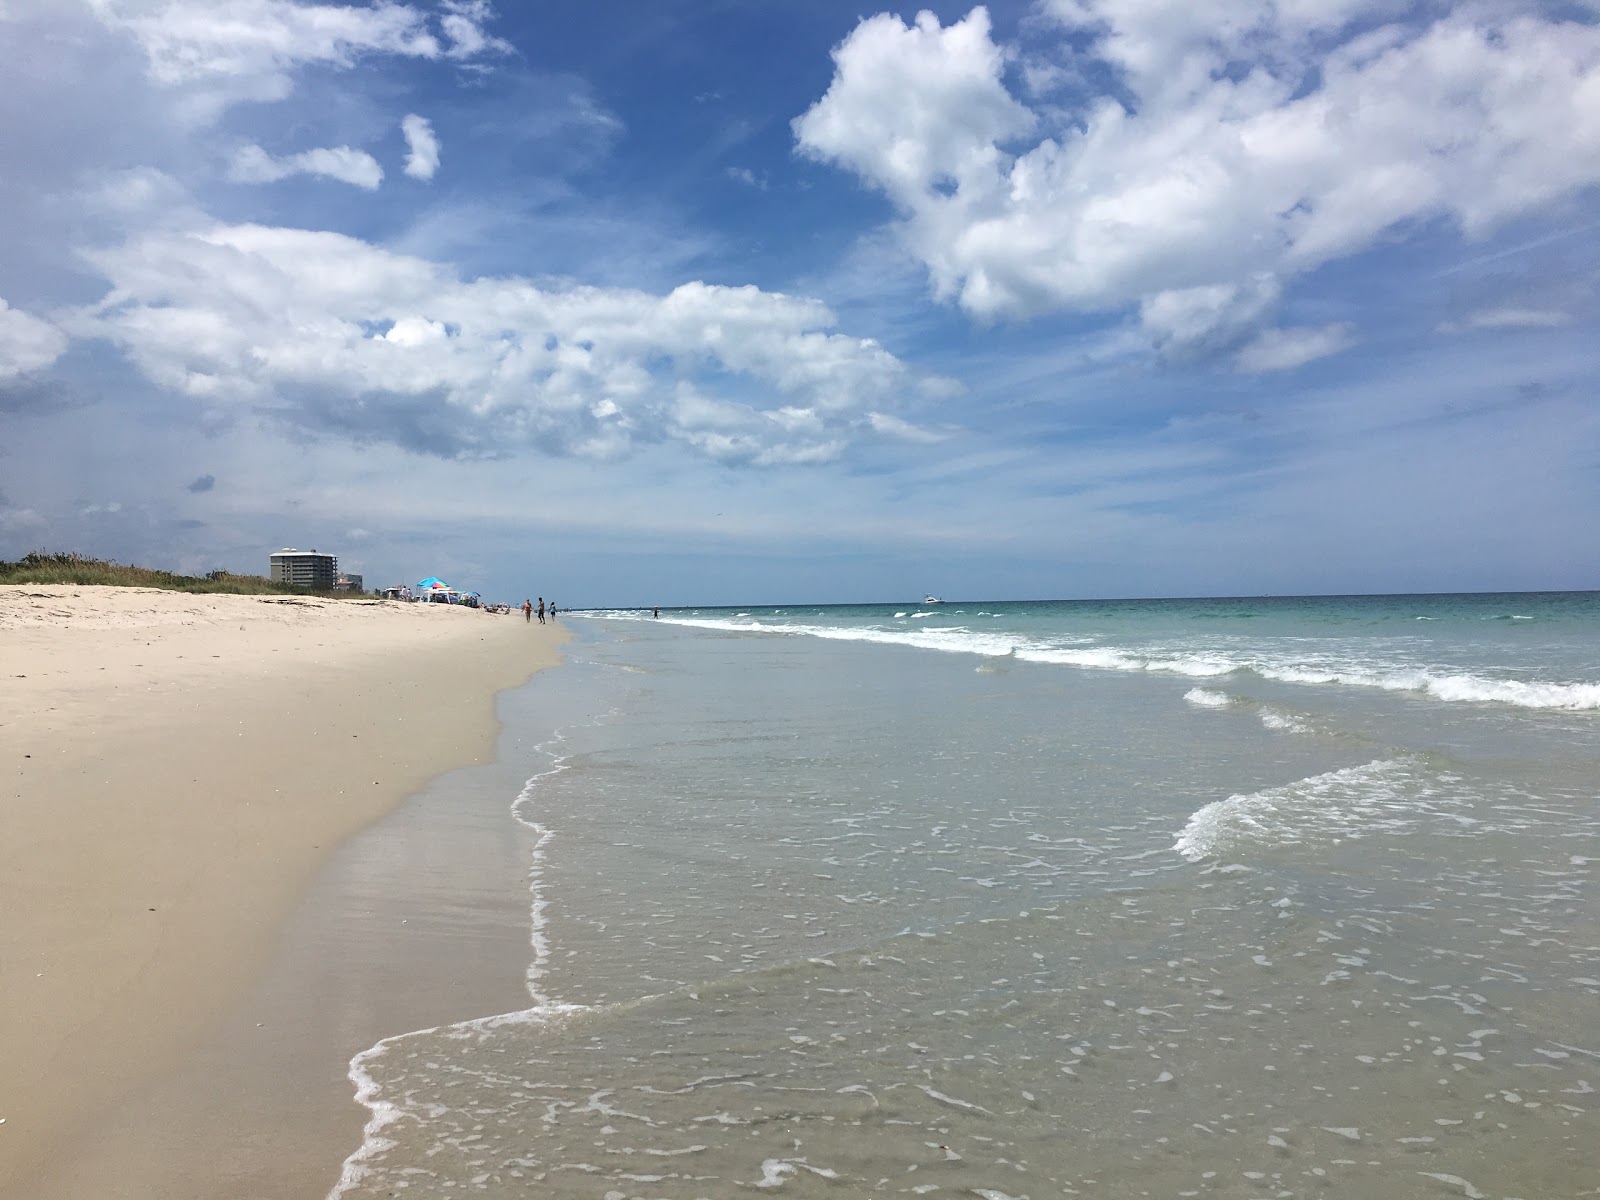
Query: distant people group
(529,611)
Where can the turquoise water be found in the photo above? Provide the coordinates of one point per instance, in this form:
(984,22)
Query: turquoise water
(1535,650)
(1237,898)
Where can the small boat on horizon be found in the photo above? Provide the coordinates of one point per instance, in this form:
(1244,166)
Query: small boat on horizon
(931,599)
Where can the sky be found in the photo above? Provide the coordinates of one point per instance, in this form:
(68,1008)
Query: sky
(738,301)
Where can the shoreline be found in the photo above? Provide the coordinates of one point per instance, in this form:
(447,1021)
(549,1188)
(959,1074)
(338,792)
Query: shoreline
(179,768)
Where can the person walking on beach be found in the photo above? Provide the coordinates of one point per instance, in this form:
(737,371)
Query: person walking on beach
(541,610)
(527,610)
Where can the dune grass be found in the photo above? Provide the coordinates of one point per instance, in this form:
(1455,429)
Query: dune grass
(42,566)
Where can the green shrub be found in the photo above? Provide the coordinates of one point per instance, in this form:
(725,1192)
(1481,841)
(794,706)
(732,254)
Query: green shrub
(41,566)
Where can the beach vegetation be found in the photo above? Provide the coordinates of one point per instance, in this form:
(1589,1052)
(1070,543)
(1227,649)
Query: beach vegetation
(44,566)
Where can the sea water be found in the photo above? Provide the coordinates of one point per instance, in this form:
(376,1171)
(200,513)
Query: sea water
(1230,898)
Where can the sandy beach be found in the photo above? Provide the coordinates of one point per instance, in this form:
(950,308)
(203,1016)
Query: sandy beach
(177,769)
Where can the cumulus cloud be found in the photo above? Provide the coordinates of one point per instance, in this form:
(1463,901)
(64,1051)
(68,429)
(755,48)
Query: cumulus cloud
(422,147)
(26,343)
(252,164)
(1244,143)
(919,111)
(334,334)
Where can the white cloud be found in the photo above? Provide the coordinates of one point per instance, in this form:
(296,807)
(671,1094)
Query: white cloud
(1248,152)
(747,177)
(223,51)
(1509,318)
(917,109)
(422,147)
(892,426)
(1198,319)
(334,334)
(26,343)
(463,24)
(252,164)
(19,520)
(1285,349)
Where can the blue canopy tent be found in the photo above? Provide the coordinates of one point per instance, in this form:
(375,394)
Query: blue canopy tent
(437,590)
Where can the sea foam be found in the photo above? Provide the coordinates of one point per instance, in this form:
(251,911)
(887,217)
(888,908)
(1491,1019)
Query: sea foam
(1349,668)
(1352,802)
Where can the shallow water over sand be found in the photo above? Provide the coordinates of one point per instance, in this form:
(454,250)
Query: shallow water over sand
(821,916)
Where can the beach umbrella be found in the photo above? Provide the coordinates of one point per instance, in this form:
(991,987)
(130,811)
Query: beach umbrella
(432,581)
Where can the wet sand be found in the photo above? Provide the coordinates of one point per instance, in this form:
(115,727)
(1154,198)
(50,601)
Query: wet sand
(178,768)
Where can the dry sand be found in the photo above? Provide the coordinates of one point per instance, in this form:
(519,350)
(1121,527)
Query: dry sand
(177,767)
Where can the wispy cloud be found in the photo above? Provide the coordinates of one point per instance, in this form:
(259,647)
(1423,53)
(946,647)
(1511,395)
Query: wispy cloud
(220,54)
(1285,349)
(252,164)
(1509,318)
(463,23)
(747,177)
(892,426)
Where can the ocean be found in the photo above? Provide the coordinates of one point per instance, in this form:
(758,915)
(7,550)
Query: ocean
(1257,897)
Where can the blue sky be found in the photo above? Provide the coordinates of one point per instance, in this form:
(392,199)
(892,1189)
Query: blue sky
(739,301)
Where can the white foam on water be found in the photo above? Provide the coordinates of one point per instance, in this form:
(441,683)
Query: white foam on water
(1438,683)
(1276,719)
(383,1113)
(1207,698)
(775,1172)
(953,1101)
(1113,658)
(539,942)
(1387,794)
(1467,1189)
